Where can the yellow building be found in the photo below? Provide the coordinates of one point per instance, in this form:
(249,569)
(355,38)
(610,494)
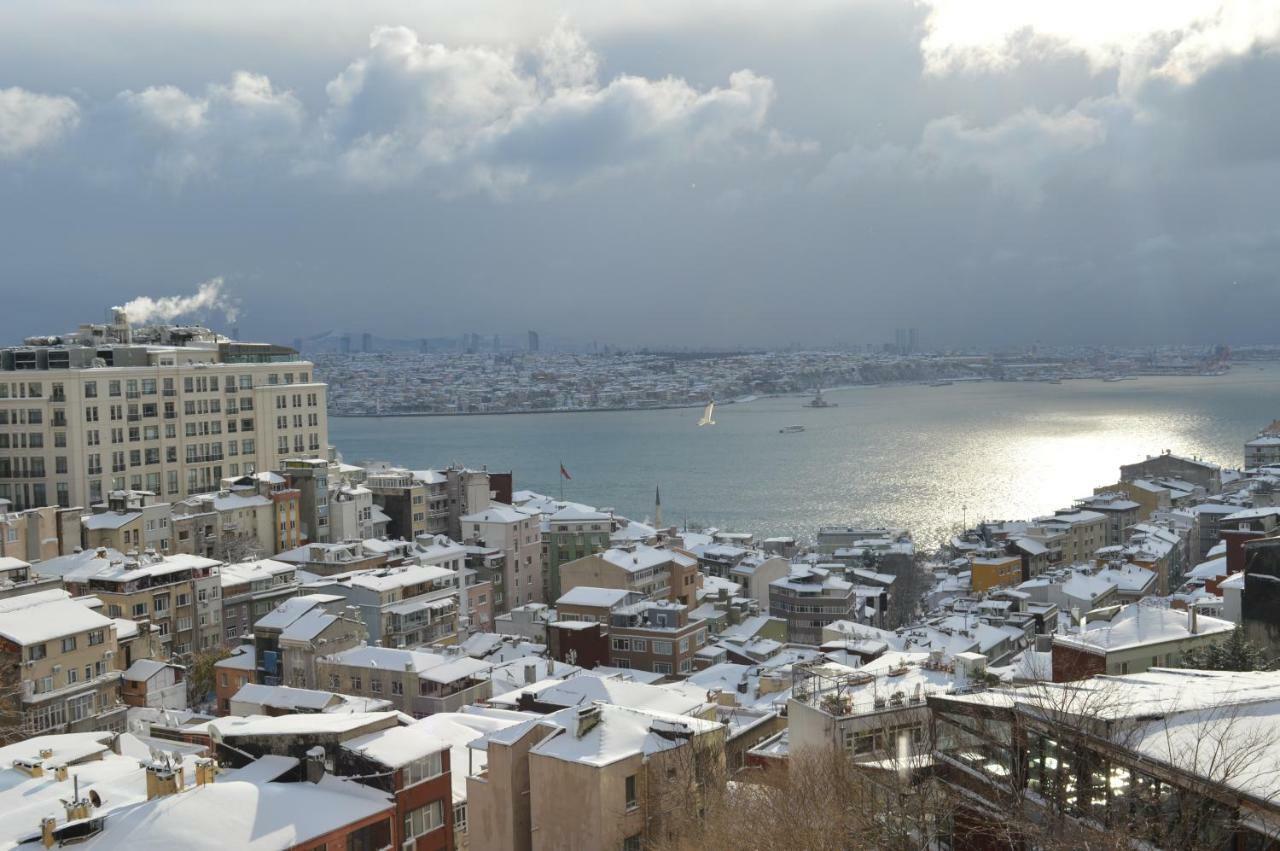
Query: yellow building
(994,571)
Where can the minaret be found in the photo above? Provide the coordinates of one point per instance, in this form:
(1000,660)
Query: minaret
(657,507)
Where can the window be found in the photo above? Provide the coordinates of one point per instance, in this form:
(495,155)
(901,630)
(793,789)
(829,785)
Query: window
(631,843)
(96,637)
(662,667)
(397,687)
(621,644)
(662,648)
(36,651)
(423,820)
(333,681)
(633,799)
(460,817)
(423,769)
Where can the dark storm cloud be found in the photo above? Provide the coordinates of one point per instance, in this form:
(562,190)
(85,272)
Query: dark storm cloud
(652,174)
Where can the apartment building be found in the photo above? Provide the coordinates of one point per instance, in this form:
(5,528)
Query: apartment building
(1077,533)
(519,536)
(414,502)
(1166,465)
(18,579)
(37,534)
(646,635)
(251,589)
(593,776)
(351,514)
(401,606)
(66,677)
(162,590)
(416,682)
(1264,449)
(130,521)
(656,573)
(167,409)
(1121,513)
(809,599)
(573,532)
(994,569)
(413,766)
(246,523)
(1134,639)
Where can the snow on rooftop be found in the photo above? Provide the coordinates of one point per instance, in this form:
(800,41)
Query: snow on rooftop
(586,595)
(1137,625)
(50,620)
(620,732)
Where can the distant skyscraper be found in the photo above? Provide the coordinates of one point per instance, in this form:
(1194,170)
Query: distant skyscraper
(900,340)
(533,341)
(913,341)
(345,344)
(497,343)
(424,345)
(366,342)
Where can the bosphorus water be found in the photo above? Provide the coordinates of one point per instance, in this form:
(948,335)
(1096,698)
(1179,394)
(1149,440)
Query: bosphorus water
(915,456)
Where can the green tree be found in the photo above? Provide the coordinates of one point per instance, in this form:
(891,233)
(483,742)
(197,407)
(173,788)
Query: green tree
(1237,653)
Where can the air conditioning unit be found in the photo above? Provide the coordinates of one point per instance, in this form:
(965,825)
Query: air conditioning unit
(57,668)
(110,654)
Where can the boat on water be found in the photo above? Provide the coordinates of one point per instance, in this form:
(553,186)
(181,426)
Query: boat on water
(791,429)
(707,414)
(942,383)
(818,402)
(1120,378)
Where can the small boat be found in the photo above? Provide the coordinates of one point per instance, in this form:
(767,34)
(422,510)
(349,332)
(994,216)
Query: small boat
(942,383)
(791,429)
(707,414)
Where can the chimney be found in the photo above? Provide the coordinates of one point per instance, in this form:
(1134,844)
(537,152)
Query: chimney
(47,825)
(588,717)
(530,673)
(206,771)
(1195,624)
(60,772)
(46,753)
(163,780)
(315,764)
(551,667)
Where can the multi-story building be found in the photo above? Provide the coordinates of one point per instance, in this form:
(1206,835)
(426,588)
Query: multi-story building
(1121,513)
(810,599)
(162,590)
(416,682)
(1135,638)
(18,579)
(351,514)
(130,521)
(646,635)
(1263,449)
(1167,465)
(310,478)
(593,776)
(415,503)
(656,573)
(994,569)
(519,536)
(572,533)
(63,653)
(171,410)
(37,534)
(401,606)
(1078,533)
(251,589)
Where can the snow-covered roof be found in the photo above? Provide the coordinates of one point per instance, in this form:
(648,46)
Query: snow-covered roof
(109,520)
(586,595)
(292,609)
(314,723)
(620,732)
(143,670)
(642,557)
(1138,625)
(308,626)
(129,568)
(397,746)
(50,620)
(251,571)
(497,512)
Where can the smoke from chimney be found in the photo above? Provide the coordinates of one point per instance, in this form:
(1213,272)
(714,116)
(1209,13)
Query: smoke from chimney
(208,296)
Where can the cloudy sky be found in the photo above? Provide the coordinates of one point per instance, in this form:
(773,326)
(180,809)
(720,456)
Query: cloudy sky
(712,173)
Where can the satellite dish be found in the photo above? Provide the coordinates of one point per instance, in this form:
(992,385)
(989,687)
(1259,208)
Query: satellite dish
(176,757)
(215,735)
(94,798)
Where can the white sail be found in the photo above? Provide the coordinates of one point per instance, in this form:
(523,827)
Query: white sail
(706,415)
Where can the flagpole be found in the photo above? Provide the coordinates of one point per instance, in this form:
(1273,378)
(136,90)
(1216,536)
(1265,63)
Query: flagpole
(561,477)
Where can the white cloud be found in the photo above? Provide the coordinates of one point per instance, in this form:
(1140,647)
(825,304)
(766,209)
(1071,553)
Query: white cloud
(188,135)
(1179,39)
(478,118)
(29,120)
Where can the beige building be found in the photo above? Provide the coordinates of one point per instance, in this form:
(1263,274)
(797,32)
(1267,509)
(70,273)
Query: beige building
(593,776)
(167,592)
(130,521)
(64,655)
(37,534)
(656,573)
(519,536)
(1079,533)
(171,410)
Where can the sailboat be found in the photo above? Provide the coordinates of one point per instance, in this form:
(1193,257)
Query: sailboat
(706,414)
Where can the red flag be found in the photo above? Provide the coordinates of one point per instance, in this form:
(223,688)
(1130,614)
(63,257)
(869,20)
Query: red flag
(565,472)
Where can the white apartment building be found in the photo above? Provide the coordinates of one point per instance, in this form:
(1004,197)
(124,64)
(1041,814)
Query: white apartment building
(167,409)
